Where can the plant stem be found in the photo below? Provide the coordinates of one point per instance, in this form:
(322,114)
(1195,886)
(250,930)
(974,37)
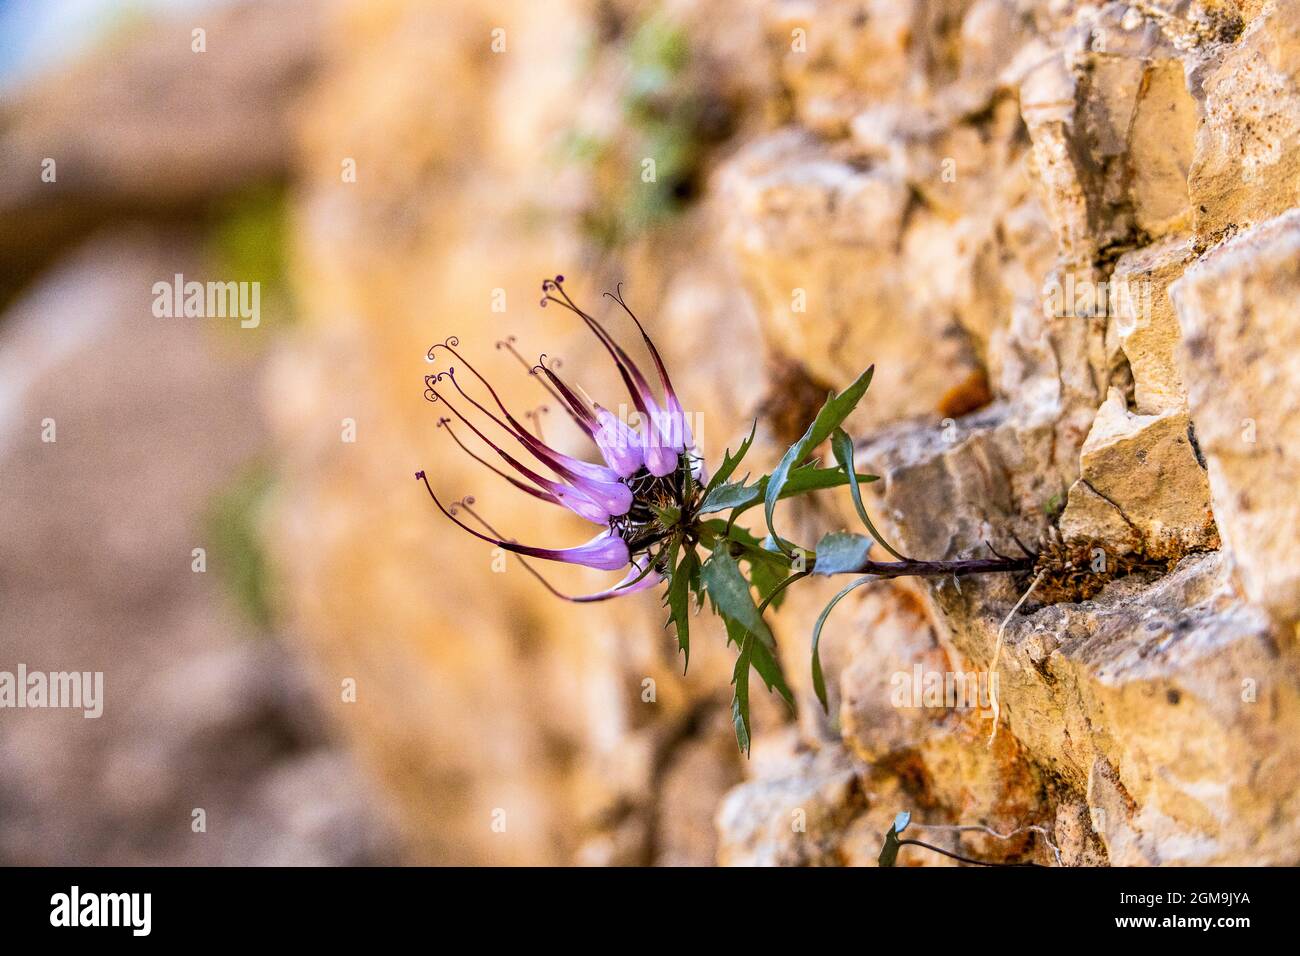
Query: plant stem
(958,856)
(940,569)
(781,587)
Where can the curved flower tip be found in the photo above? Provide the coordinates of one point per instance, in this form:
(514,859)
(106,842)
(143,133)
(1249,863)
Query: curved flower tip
(660,460)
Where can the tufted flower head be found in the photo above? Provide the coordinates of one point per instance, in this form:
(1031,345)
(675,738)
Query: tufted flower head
(642,489)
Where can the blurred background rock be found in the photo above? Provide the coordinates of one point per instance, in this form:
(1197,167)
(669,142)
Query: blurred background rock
(835,183)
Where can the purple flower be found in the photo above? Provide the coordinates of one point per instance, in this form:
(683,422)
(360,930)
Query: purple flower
(647,464)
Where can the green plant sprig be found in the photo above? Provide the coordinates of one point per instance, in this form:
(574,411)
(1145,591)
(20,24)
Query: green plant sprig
(737,565)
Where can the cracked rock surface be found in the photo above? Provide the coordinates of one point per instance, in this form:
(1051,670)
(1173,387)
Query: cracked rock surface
(1064,234)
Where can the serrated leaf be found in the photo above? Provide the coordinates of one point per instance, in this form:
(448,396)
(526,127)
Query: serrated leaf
(679,600)
(668,515)
(729,592)
(841,551)
(803,479)
(842,446)
(831,416)
(740,696)
(730,462)
(697,583)
(769,669)
(819,680)
(733,495)
(767,664)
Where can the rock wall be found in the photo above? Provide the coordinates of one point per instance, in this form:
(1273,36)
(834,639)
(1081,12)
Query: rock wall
(1062,231)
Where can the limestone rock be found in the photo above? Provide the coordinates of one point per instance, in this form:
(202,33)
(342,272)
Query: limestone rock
(882,713)
(1141,472)
(793,815)
(1095,521)
(1145,325)
(1156,701)
(1236,308)
(1247,156)
(817,240)
(1161,136)
(835,56)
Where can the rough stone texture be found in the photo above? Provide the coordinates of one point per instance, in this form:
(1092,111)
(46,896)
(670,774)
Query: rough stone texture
(1141,484)
(1155,722)
(1247,158)
(1237,312)
(1064,232)
(795,816)
(1145,325)
(1060,232)
(819,240)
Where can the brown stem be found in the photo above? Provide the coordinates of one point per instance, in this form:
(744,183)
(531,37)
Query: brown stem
(958,856)
(939,569)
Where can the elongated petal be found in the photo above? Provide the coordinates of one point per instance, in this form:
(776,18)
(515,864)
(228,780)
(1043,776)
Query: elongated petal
(595,484)
(605,552)
(566,465)
(660,455)
(526,489)
(621,446)
(572,498)
(580,504)
(615,498)
(678,425)
(638,579)
(579,415)
(670,397)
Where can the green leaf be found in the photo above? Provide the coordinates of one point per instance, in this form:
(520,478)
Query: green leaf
(889,852)
(668,515)
(831,416)
(803,479)
(678,600)
(756,552)
(819,680)
(841,551)
(769,669)
(730,462)
(697,584)
(729,592)
(842,445)
(767,664)
(733,495)
(740,697)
